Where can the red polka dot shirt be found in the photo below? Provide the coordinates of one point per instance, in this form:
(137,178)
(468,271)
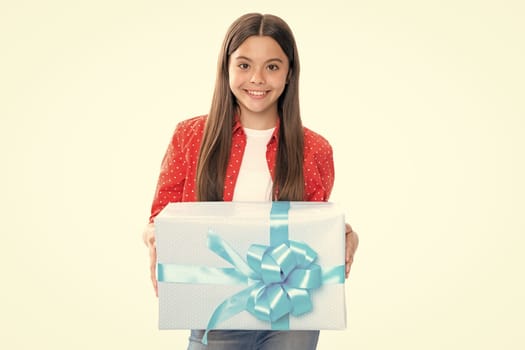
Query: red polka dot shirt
(177,183)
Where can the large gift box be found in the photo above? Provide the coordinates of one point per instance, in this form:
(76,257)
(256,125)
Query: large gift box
(251,265)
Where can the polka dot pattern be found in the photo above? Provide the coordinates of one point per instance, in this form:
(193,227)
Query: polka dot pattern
(176,181)
(318,167)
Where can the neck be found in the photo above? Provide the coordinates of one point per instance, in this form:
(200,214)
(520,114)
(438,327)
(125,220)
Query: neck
(258,121)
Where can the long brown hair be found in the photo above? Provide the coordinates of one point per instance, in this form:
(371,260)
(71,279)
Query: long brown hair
(216,143)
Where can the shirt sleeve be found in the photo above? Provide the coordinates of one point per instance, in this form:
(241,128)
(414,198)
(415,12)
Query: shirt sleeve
(170,184)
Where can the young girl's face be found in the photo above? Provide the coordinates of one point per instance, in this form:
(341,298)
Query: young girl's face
(258,72)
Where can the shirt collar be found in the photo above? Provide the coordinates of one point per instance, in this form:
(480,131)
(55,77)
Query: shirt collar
(237,127)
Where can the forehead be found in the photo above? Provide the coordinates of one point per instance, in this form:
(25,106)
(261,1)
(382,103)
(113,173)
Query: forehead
(260,48)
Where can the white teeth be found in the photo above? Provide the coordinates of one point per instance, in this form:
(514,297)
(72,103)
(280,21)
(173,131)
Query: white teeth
(257,93)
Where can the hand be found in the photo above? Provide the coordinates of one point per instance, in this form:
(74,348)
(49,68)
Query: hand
(148,236)
(352,241)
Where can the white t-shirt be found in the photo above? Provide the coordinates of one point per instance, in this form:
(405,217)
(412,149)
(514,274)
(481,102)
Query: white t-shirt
(254,182)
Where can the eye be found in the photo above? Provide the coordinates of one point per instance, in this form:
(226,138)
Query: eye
(273,67)
(244,66)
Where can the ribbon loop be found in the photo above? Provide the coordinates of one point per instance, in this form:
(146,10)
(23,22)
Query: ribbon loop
(284,276)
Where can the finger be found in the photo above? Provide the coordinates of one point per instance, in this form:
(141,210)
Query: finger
(347,256)
(153,267)
(348,265)
(154,283)
(350,247)
(148,235)
(153,253)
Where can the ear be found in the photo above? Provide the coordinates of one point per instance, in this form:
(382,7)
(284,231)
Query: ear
(289,76)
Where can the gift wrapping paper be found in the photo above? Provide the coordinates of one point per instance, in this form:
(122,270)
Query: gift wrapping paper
(251,265)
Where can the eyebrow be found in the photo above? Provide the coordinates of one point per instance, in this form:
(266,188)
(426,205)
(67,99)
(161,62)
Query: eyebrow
(248,59)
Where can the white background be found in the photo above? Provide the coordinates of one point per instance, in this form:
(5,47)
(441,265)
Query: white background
(421,100)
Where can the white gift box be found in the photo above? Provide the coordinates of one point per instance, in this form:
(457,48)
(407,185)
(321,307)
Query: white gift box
(211,256)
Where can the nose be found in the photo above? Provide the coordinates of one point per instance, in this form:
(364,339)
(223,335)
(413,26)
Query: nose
(257,77)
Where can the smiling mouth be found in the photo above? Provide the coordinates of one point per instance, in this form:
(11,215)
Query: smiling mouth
(256,93)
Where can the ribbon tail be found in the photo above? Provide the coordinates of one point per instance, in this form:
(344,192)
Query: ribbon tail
(228,308)
(220,247)
(174,273)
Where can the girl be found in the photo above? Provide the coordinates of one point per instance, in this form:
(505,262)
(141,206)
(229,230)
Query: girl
(250,147)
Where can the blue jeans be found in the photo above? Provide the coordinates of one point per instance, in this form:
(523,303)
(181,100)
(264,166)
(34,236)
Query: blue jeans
(254,340)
